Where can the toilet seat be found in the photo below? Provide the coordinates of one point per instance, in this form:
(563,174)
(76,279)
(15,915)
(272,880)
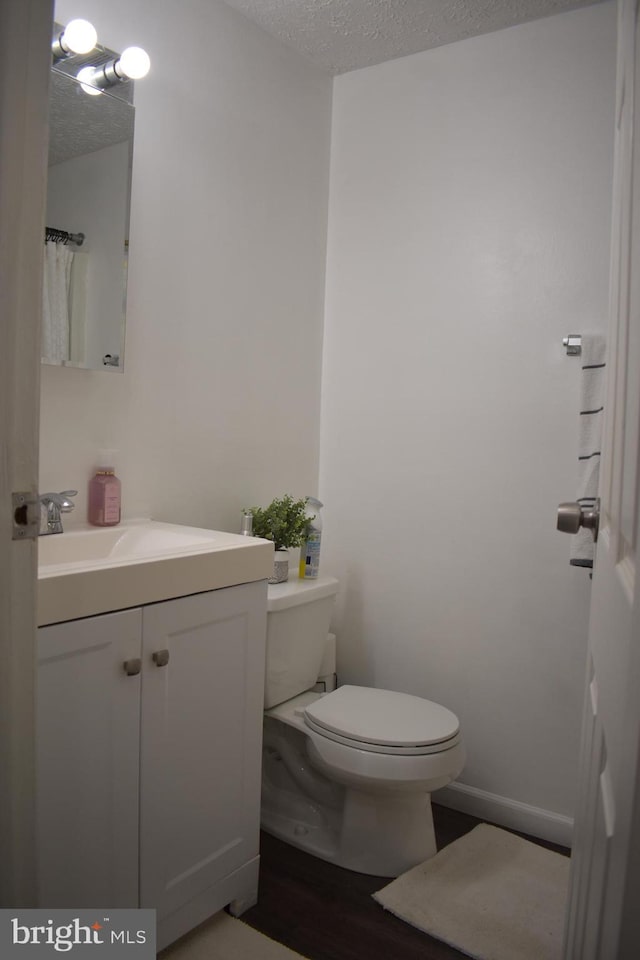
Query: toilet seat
(383,721)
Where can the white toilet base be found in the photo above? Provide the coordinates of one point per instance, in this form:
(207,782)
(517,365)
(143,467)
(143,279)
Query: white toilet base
(386,835)
(403,838)
(383,834)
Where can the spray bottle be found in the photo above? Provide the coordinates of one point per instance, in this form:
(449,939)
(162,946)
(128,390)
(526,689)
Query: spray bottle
(310,549)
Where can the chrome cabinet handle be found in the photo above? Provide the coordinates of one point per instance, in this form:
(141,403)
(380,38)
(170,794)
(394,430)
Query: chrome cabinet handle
(132,667)
(571,516)
(160,658)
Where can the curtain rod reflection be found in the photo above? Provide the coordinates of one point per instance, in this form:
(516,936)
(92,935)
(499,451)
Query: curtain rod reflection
(62,236)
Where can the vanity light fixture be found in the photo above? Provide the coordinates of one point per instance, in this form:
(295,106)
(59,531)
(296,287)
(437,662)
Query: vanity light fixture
(79,36)
(132,64)
(86,76)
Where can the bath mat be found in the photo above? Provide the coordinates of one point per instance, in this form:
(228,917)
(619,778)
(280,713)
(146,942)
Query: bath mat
(224,938)
(489,894)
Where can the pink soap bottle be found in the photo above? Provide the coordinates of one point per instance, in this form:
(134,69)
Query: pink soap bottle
(104,494)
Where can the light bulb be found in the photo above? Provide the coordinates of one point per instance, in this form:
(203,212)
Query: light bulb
(79,36)
(87,74)
(134,63)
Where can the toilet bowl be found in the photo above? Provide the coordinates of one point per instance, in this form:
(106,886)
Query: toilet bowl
(347,775)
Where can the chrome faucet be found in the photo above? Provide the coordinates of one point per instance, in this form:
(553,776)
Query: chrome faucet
(51,506)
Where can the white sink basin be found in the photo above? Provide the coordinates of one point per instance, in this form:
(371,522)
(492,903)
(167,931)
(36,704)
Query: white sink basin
(127,543)
(91,570)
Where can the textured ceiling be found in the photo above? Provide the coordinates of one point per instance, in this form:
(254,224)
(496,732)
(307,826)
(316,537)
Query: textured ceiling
(80,124)
(343,35)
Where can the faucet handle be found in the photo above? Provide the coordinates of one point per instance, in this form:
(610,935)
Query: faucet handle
(66,504)
(61,500)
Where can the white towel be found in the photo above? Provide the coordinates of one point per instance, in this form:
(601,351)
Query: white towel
(594,350)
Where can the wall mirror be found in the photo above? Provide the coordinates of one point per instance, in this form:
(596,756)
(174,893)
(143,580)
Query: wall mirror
(87,235)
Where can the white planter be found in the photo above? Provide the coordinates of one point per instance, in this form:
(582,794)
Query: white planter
(280,567)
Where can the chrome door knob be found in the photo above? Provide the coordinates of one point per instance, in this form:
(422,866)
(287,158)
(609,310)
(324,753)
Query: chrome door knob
(571,516)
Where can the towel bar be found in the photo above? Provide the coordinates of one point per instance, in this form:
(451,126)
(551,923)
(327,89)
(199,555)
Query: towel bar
(573,343)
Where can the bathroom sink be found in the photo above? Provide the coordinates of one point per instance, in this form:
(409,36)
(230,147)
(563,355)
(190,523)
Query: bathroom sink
(91,570)
(128,542)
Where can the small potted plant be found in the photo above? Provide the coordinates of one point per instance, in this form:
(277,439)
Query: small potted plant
(285,522)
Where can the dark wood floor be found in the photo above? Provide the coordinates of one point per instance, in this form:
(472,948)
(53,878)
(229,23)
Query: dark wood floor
(327,913)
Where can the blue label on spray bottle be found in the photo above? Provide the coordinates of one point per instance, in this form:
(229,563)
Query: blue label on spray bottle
(310,556)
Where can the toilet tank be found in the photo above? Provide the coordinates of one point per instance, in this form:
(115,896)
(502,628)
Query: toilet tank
(298,617)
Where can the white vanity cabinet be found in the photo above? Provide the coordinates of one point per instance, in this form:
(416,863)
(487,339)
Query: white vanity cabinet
(201,752)
(88,760)
(149,781)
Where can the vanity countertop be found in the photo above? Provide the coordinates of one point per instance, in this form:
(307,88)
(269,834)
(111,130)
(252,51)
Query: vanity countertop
(92,570)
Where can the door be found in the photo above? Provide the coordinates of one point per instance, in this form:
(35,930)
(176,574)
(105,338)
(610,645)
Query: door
(603,915)
(88,753)
(25,57)
(202,701)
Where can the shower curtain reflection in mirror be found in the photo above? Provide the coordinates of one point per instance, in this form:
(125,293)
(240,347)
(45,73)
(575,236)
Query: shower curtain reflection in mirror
(55,301)
(63,303)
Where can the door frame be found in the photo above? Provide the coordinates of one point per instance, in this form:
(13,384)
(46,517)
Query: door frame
(25,59)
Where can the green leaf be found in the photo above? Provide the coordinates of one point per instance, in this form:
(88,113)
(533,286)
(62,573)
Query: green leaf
(284,521)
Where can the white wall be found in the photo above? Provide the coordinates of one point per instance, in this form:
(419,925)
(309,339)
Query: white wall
(468,233)
(218,407)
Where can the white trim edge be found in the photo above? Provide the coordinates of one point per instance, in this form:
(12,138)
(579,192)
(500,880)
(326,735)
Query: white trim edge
(504,812)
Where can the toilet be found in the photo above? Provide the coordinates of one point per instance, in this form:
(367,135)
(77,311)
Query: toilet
(346,775)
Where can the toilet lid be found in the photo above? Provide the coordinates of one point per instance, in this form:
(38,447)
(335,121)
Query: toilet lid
(382,717)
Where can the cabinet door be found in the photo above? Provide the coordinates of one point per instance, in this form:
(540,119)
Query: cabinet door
(201,742)
(88,712)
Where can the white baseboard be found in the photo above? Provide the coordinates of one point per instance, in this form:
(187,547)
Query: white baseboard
(507,813)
